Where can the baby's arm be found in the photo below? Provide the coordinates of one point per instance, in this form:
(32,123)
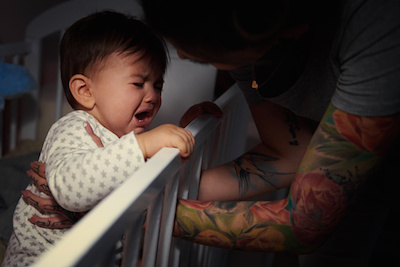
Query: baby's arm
(61,218)
(80,174)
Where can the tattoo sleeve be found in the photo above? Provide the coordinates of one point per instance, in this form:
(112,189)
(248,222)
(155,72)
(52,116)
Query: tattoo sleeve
(254,169)
(342,154)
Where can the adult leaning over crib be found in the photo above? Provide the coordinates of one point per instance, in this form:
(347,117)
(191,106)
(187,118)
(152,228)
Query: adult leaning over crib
(321,80)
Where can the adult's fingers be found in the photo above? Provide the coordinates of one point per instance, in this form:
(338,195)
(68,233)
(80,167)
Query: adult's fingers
(191,114)
(39,168)
(56,222)
(43,205)
(40,182)
(213,109)
(95,138)
(198,109)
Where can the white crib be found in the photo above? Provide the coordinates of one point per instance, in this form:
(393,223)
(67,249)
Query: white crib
(155,188)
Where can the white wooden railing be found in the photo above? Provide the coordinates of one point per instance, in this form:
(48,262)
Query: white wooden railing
(153,189)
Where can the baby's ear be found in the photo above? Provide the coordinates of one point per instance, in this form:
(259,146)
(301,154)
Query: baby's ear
(80,87)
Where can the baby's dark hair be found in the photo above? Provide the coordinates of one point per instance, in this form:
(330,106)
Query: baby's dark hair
(91,39)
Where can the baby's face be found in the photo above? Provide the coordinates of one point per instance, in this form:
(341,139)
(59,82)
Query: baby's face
(127,94)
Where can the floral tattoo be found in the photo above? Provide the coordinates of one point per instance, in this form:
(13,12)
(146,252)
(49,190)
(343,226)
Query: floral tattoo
(342,154)
(257,166)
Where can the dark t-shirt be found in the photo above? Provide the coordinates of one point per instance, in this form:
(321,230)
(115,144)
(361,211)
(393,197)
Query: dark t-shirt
(355,65)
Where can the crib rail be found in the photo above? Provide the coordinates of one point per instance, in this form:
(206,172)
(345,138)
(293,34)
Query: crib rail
(154,188)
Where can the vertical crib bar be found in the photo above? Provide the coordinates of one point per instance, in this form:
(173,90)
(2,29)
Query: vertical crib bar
(167,222)
(199,259)
(188,189)
(152,232)
(196,254)
(132,243)
(108,258)
(195,172)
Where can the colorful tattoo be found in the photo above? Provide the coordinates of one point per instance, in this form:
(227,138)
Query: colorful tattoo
(253,167)
(342,154)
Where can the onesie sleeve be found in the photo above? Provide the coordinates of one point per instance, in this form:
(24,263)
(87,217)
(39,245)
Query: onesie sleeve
(79,173)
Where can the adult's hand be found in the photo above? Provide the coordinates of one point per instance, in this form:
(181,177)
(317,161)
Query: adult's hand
(37,174)
(60,218)
(194,111)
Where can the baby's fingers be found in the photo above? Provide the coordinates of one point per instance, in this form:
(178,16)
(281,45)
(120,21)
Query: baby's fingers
(191,142)
(186,143)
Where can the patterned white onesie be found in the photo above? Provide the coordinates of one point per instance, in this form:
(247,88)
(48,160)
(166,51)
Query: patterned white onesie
(79,175)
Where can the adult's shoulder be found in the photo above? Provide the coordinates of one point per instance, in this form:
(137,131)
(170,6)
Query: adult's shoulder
(366,52)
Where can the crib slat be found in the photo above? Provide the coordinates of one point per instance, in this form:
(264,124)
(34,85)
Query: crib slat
(188,188)
(167,223)
(132,243)
(152,231)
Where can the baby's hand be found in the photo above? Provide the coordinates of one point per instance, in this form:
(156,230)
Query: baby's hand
(167,135)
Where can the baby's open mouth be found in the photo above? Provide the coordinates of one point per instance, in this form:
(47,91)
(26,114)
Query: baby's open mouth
(142,116)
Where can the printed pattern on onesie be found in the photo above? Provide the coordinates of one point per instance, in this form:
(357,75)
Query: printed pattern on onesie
(79,175)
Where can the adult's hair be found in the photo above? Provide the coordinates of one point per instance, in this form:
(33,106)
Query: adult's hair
(225,24)
(91,39)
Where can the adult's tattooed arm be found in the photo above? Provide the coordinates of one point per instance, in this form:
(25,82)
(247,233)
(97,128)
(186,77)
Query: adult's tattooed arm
(342,154)
(269,166)
(257,172)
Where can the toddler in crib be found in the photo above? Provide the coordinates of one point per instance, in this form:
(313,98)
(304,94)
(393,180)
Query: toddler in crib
(112,69)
